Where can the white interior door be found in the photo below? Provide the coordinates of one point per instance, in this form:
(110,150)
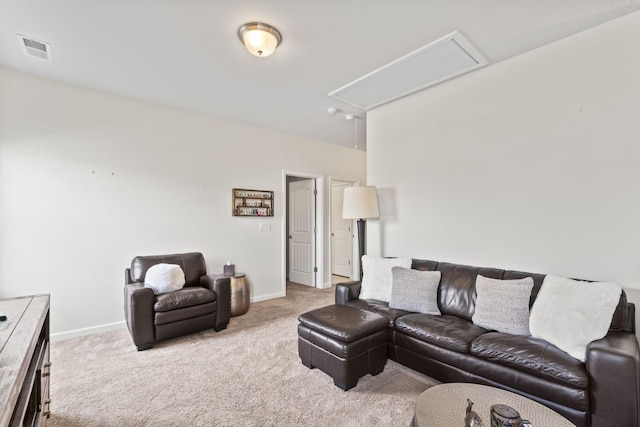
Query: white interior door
(302,247)
(341,233)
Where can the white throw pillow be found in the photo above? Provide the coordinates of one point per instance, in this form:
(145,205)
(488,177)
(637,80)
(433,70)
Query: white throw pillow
(503,305)
(571,313)
(377,278)
(163,278)
(415,290)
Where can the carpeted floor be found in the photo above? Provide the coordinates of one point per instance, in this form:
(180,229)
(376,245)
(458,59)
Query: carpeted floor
(247,375)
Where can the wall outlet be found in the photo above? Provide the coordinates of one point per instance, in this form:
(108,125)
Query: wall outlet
(265,226)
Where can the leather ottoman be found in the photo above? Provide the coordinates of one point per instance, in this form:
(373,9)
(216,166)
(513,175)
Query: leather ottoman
(344,342)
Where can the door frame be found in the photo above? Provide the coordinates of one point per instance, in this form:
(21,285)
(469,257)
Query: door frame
(301,196)
(355,270)
(319,277)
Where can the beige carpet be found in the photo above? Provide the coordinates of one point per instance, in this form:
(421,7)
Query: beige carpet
(247,375)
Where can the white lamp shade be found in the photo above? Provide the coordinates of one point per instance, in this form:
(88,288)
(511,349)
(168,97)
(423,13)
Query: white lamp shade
(360,203)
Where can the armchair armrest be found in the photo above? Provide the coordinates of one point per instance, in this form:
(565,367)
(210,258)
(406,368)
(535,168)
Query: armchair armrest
(221,285)
(127,276)
(613,365)
(139,314)
(347,291)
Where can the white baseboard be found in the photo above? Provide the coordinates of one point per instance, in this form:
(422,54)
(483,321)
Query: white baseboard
(61,336)
(268,296)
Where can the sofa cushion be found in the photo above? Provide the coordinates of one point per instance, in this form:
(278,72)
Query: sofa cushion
(533,355)
(537,281)
(415,290)
(619,321)
(379,307)
(458,288)
(186,313)
(424,265)
(503,305)
(571,313)
(446,331)
(376,276)
(185,297)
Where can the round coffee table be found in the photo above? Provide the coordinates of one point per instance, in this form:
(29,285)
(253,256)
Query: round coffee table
(446,404)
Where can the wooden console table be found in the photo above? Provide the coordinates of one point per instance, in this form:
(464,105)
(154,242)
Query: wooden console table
(24,361)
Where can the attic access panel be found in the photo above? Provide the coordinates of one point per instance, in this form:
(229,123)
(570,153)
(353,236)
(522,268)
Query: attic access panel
(427,66)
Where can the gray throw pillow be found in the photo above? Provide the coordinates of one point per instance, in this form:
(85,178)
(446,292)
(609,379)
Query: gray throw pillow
(415,290)
(503,305)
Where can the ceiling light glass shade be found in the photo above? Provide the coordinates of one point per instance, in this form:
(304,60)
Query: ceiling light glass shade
(360,203)
(260,39)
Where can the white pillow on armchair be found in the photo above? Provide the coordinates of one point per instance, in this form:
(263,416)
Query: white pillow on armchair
(163,278)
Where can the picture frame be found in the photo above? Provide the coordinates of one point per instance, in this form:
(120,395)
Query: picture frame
(246,202)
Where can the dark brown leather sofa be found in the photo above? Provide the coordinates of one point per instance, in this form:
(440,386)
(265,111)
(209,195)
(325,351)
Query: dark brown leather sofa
(602,392)
(203,303)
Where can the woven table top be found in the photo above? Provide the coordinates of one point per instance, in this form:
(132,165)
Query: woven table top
(446,404)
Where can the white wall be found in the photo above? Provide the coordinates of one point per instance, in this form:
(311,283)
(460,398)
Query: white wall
(530,164)
(88,180)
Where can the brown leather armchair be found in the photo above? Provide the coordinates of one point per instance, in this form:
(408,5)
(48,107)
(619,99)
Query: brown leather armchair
(203,303)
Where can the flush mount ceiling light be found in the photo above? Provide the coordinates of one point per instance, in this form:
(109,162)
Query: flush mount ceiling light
(260,39)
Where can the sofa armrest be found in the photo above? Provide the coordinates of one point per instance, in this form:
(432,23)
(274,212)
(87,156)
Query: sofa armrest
(139,314)
(631,318)
(613,365)
(347,291)
(221,285)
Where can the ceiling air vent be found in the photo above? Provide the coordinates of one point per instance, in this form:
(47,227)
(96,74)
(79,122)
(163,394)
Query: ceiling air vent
(427,66)
(37,48)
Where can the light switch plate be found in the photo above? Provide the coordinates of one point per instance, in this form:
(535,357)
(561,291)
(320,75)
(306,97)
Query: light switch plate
(265,226)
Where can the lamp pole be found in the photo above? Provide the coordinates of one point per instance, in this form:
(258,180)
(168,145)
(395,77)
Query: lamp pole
(361,242)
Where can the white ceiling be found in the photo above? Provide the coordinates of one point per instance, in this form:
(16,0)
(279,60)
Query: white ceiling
(186,53)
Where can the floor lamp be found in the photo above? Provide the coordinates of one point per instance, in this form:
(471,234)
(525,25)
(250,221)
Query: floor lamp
(360,203)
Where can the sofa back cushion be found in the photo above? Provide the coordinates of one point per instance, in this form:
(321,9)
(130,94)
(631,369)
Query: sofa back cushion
(458,288)
(457,292)
(537,281)
(192,264)
(620,321)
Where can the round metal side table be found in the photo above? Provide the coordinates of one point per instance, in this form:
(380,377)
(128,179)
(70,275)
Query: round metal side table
(240,294)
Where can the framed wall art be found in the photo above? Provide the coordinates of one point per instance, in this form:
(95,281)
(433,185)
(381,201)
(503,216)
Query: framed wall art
(252,202)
